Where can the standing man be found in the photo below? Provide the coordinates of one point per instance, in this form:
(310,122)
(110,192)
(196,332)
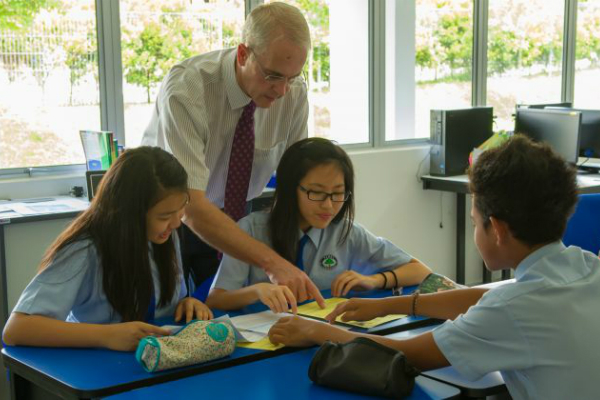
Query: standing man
(228,116)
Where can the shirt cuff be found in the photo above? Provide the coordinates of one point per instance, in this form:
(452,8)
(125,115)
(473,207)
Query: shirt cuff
(452,347)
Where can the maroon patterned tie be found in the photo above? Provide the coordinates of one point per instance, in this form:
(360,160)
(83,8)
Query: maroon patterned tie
(240,164)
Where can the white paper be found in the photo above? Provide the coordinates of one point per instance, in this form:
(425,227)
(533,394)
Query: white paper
(252,327)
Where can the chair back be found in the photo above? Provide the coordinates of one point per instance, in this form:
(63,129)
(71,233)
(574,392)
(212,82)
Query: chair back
(583,228)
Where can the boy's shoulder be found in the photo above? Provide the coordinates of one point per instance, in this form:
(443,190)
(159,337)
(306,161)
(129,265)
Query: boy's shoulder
(559,269)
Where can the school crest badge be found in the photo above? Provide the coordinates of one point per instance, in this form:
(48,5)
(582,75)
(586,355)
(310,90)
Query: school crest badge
(329,261)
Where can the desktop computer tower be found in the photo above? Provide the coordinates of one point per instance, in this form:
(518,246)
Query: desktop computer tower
(454,134)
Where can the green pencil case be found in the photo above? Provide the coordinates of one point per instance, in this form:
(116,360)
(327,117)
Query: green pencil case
(197,342)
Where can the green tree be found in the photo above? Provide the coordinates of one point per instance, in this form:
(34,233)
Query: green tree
(18,15)
(81,55)
(148,56)
(502,51)
(455,38)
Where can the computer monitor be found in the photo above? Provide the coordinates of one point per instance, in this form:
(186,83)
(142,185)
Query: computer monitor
(545,105)
(589,136)
(560,129)
(92,179)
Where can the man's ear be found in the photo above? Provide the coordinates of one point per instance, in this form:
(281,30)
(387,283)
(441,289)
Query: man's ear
(243,52)
(501,231)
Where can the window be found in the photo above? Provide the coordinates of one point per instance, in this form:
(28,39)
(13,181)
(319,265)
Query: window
(51,85)
(525,42)
(428,62)
(156,35)
(48,80)
(338,69)
(587,64)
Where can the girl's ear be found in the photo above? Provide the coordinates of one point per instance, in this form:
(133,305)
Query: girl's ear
(501,231)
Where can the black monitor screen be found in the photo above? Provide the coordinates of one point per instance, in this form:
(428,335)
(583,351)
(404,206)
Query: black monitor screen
(589,137)
(560,129)
(93,180)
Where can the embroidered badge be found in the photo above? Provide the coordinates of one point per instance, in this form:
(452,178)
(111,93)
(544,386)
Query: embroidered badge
(329,261)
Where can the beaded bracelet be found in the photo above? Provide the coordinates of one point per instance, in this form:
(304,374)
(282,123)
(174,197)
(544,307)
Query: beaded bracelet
(384,280)
(415,296)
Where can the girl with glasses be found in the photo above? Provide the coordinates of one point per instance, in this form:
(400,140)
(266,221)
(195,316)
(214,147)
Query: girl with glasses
(311,224)
(117,267)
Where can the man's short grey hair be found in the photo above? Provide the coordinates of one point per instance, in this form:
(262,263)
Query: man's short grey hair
(268,22)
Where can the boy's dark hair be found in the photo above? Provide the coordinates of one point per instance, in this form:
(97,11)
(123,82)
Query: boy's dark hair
(295,163)
(116,224)
(528,186)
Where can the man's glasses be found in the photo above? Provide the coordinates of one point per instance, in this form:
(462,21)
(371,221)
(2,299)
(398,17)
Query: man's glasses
(275,78)
(338,197)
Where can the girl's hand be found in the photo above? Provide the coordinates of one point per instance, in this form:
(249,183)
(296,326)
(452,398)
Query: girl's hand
(349,280)
(126,336)
(358,310)
(275,297)
(190,307)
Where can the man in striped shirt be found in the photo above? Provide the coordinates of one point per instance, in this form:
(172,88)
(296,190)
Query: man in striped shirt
(198,108)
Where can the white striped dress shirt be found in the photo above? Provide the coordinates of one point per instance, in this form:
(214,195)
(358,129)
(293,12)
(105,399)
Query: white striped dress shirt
(197,110)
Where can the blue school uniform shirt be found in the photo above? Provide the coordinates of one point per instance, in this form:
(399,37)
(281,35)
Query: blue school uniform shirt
(70,288)
(324,258)
(540,332)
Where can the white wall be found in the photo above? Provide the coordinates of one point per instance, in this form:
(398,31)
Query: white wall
(391,203)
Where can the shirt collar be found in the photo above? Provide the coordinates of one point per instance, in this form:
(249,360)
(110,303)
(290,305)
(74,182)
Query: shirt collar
(313,234)
(236,96)
(537,255)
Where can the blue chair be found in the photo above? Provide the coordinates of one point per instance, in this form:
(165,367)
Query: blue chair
(583,229)
(201,292)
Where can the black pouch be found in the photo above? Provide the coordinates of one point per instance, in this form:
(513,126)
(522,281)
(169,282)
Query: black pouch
(363,366)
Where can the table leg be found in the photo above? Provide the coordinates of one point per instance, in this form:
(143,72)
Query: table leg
(460,237)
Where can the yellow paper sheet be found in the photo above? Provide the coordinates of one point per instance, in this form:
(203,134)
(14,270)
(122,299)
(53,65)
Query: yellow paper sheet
(263,344)
(314,311)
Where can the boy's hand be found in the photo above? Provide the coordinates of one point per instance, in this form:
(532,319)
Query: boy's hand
(126,336)
(276,297)
(349,280)
(190,307)
(357,310)
(295,331)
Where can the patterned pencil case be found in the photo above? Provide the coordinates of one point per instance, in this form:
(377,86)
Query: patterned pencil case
(197,342)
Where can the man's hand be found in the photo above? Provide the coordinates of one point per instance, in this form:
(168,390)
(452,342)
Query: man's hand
(358,310)
(299,283)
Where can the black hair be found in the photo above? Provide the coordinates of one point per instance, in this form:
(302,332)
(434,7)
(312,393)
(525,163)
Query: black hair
(116,223)
(296,162)
(528,186)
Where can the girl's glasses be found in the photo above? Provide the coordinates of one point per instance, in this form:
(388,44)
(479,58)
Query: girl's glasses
(338,197)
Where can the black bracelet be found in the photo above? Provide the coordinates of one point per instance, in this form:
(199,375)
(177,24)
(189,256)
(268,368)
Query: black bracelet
(395,280)
(384,280)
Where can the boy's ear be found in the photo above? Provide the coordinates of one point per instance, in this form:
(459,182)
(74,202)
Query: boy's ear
(501,231)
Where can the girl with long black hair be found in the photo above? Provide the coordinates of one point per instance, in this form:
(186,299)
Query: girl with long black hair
(115,265)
